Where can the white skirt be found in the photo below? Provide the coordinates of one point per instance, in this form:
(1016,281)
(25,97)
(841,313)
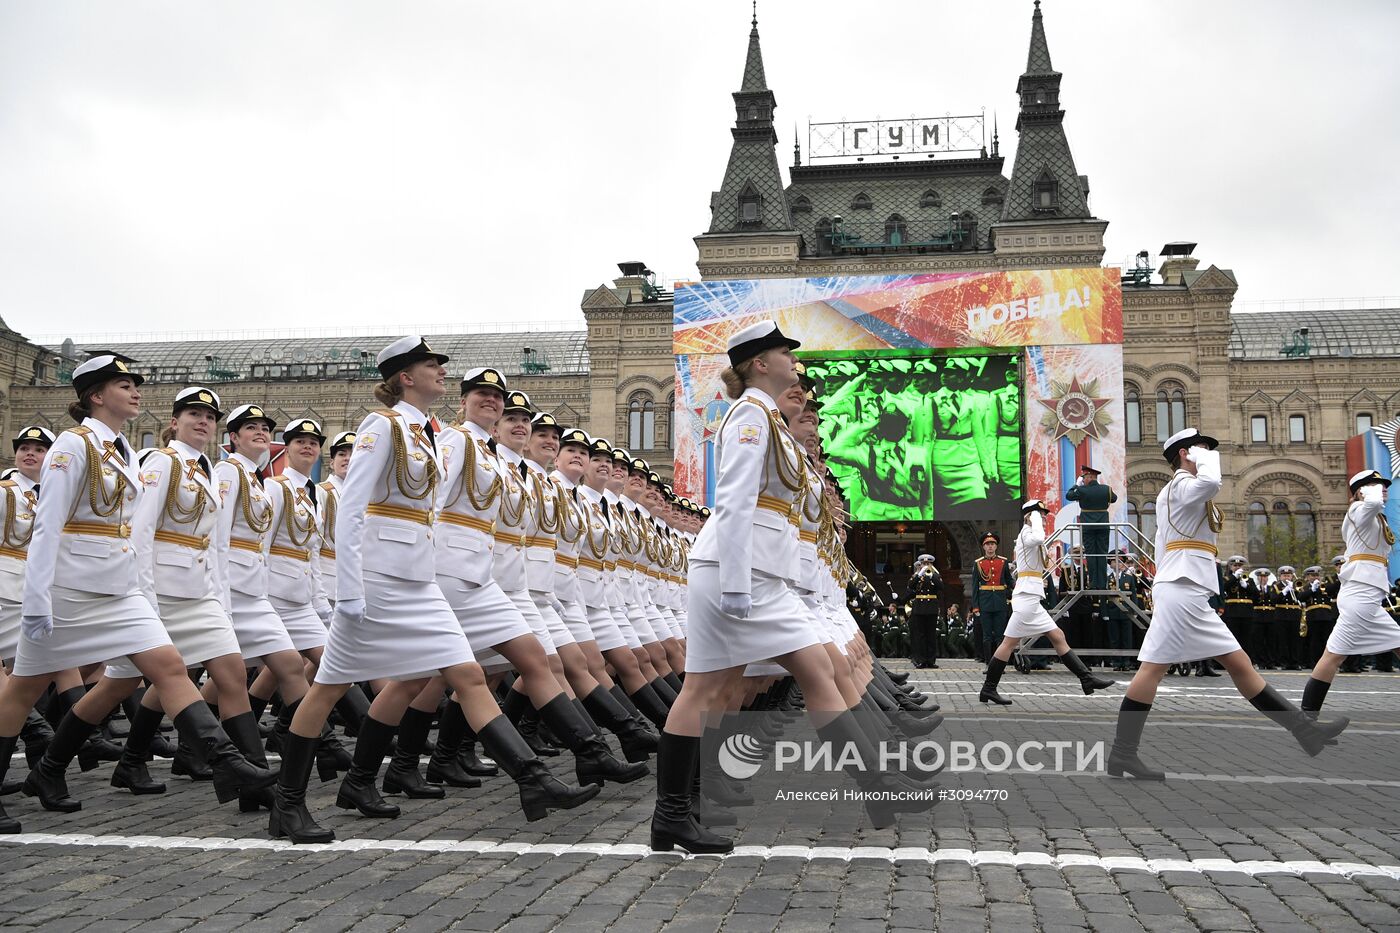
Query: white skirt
(198,627)
(9,628)
(1363,627)
(408,631)
(1184,627)
(637,618)
(258,627)
(604,628)
(575,619)
(624,627)
(487,615)
(90,628)
(303,625)
(1028,617)
(778,623)
(527,608)
(558,632)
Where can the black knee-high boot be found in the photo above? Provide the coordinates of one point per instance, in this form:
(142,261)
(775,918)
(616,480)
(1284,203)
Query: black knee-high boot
(1123,759)
(243,733)
(402,776)
(1311,734)
(637,743)
(443,767)
(672,821)
(593,762)
(1088,680)
(843,731)
(468,759)
(522,715)
(353,708)
(46,780)
(131,771)
(995,668)
(357,791)
(289,817)
(673,681)
(652,706)
(540,791)
(232,772)
(663,690)
(35,733)
(623,700)
(1314,695)
(7,750)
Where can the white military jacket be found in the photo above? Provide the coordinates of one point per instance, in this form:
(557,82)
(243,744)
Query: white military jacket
(294,542)
(82,527)
(1367,538)
(1187,525)
(385,520)
(18,500)
(572,522)
(541,528)
(240,538)
(330,505)
(471,493)
(1031,558)
(174,526)
(753,528)
(593,548)
(514,522)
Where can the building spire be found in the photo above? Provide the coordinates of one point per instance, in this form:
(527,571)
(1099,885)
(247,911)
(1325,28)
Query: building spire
(1038,61)
(796,144)
(754,79)
(996,139)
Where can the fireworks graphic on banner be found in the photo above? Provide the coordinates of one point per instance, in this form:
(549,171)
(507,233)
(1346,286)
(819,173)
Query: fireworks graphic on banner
(1389,434)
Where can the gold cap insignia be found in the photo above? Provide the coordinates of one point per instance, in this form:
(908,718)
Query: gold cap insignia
(426,347)
(33,432)
(255,412)
(490,376)
(349,438)
(121,367)
(205,397)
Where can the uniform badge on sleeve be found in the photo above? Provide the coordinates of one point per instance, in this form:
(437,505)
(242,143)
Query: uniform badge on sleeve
(60,462)
(366,441)
(150,478)
(224,487)
(749,434)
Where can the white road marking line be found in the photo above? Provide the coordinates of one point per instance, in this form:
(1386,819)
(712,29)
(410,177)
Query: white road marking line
(808,853)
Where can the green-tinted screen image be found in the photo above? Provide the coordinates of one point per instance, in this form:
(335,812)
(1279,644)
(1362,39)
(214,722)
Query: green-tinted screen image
(923,438)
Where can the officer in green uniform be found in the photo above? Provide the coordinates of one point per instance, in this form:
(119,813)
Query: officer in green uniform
(924,591)
(991,595)
(1117,616)
(1094,499)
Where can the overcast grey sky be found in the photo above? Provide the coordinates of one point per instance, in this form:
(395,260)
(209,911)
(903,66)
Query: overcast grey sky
(227,165)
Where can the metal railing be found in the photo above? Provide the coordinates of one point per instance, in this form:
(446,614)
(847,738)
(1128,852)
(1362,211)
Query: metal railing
(1139,553)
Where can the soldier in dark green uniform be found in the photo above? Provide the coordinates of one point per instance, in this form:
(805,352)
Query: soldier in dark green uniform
(991,595)
(1118,618)
(1319,615)
(925,592)
(1094,499)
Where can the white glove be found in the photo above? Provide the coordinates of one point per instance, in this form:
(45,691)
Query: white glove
(1373,492)
(1037,521)
(352,610)
(1079,482)
(735,604)
(325,613)
(1239,574)
(36,628)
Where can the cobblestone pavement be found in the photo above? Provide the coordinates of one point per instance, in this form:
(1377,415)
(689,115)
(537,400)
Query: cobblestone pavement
(179,862)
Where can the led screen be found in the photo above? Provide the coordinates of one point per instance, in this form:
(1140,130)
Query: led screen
(919,438)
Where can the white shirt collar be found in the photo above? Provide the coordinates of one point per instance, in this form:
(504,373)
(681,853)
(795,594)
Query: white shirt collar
(477,431)
(411,414)
(760,396)
(611,496)
(23,482)
(593,495)
(243,461)
(104,434)
(561,479)
(508,455)
(185,451)
(297,478)
(335,482)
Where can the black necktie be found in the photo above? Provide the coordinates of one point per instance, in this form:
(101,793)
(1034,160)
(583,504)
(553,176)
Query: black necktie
(121,449)
(35,490)
(428,430)
(311,491)
(204,466)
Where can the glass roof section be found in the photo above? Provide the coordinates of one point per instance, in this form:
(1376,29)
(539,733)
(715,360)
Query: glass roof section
(1263,335)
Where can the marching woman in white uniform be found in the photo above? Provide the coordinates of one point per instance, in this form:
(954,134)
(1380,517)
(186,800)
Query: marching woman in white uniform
(618,583)
(600,592)
(174,524)
(1184,627)
(244,532)
(743,606)
(1028,616)
(1363,626)
(391,619)
(19,496)
(82,531)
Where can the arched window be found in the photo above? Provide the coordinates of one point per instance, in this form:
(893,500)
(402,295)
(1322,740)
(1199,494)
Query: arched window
(1132,409)
(641,422)
(148,439)
(896,231)
(861,202)
(750,205)
(1171,410)
(991,197)
(1305,527)
(930,198)
(1256,530)
(671,421)
(1047,192)
(801,205)
(1147,519)
(823,232)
